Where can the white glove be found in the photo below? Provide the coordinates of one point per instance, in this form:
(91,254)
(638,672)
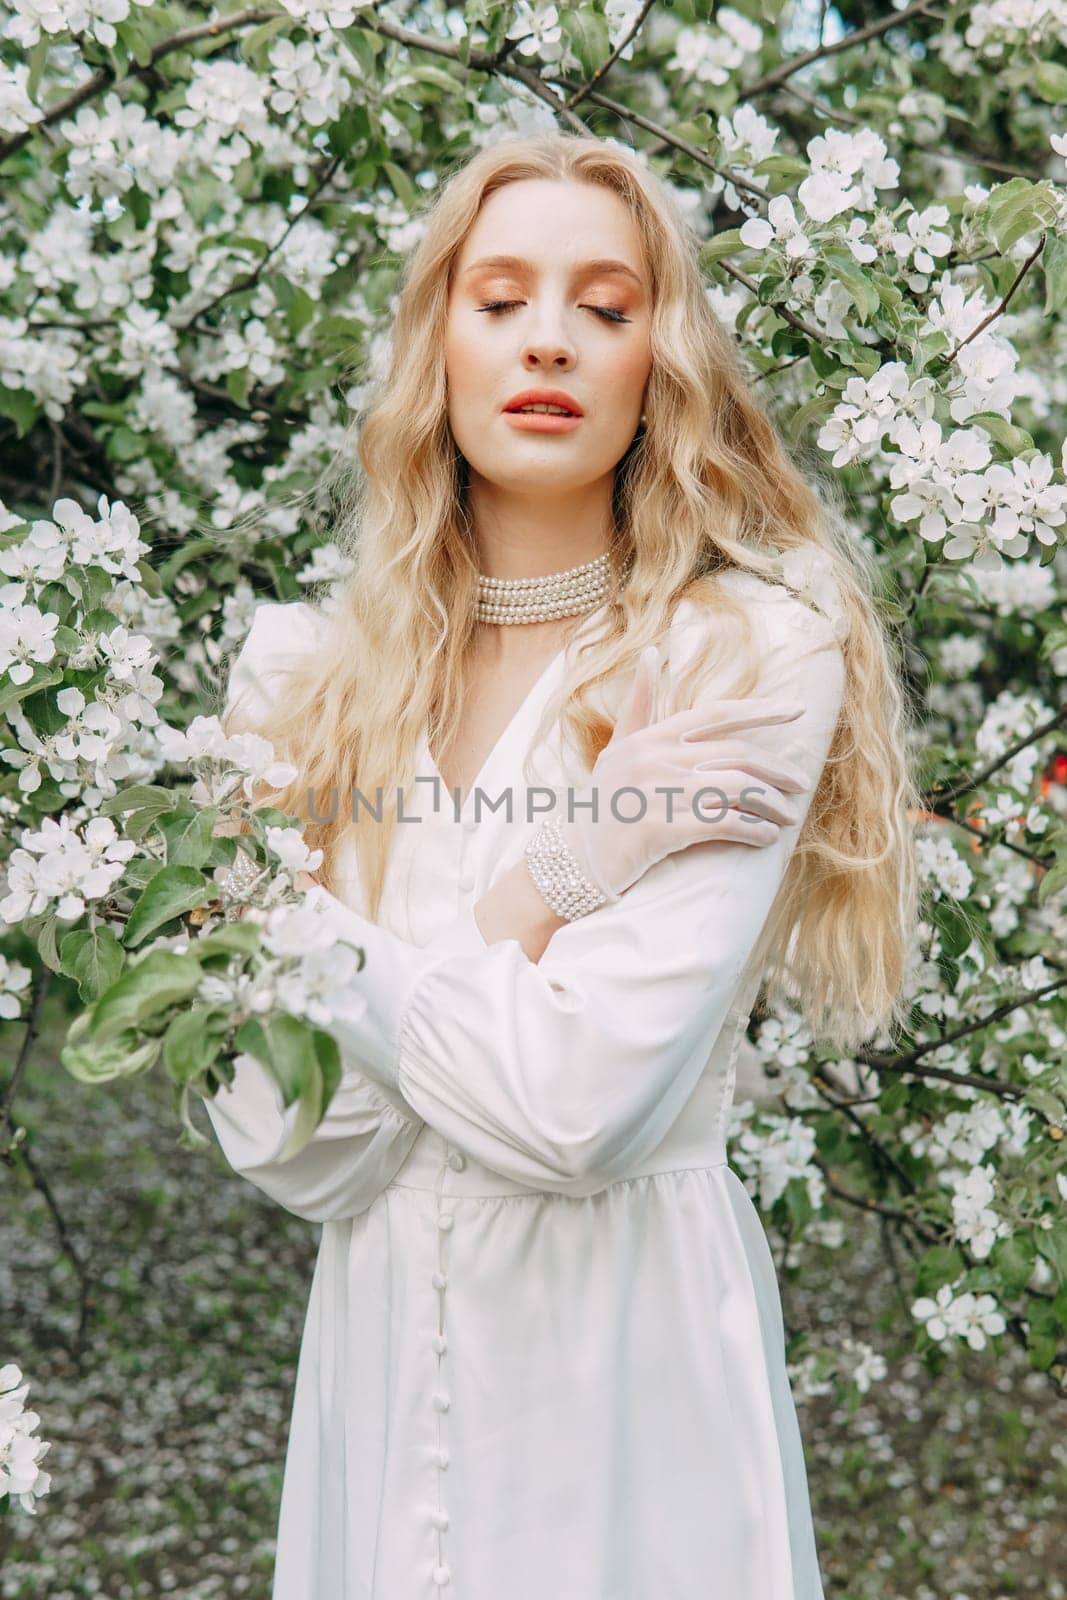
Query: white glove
(728,788)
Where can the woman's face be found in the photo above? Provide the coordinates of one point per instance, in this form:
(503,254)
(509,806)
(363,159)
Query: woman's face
(574,323)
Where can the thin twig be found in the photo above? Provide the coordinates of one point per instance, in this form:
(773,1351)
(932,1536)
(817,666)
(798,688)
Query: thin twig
(873,30)
(945,796)
(602,71)
(947,357)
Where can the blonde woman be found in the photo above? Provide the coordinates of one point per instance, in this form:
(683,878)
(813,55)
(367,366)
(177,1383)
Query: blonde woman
(544,1350)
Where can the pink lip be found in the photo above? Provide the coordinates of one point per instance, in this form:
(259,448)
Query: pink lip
(544,397)
(540,422)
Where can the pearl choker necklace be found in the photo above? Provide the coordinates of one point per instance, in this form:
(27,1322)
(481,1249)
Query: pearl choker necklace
(553,594)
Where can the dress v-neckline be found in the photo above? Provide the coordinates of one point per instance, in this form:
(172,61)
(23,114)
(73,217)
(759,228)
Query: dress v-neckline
(515,720)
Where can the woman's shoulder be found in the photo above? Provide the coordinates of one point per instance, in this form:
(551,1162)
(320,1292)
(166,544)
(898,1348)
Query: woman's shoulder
(804,607)
(279,629)
(792,641)
(278,632)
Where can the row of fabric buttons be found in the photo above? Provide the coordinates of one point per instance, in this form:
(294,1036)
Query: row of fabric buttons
(441,1399)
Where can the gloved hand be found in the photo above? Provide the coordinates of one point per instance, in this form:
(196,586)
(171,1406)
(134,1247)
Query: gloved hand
(730,788)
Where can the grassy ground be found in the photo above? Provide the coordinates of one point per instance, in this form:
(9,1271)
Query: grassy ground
(169,1437)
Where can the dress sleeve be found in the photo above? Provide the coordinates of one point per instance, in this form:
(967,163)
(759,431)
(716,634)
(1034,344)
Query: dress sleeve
(565,1073)
(367,1130)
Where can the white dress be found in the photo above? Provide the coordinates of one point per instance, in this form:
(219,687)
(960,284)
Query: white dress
(543,1357)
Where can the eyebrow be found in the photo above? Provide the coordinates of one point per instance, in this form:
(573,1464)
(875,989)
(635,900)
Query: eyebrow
(584,269)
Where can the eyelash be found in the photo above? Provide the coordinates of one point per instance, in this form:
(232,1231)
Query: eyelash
(606,313)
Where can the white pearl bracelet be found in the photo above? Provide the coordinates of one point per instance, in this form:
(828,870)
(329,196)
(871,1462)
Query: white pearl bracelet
(555,871)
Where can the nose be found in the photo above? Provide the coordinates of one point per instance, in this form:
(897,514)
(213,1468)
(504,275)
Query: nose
(548,346)
(539,353)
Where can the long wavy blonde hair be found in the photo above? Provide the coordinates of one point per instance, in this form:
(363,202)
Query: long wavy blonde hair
(705,486)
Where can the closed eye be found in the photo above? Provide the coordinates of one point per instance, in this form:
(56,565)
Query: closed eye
(503,307)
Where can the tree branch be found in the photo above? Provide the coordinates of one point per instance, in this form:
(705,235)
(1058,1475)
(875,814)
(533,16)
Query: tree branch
(873,30)
(106,75)
(947,357)
(602,71)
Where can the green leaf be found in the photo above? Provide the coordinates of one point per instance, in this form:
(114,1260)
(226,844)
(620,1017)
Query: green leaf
(1014,1258)
(230,938)
(107,411)
(798,1204)
(67,640)
(150,580)
(403,187)
(94,584)
(190,1137)
(699,131)
(894,1098)
(861,291)
(57,598)
(825,363)
(344,333)
(1012,439)
(257,42)
(132,799)
(812,411)
(1042,1349)
(586,31)
(940,1264)
(954,926)
(238,384)
(193,1041)
(322,1080)
(188,833)
(100,620)
(43,678)
(125,445)
(350,132)
(162,979)
(366,47)
(936,763)
(21,407)
(169,893)
(94,958)
(139,869)
(1054,264)
(285,1045)
(135,36)
(93,1060)
(46,943)
(1053,882)
(1050,81)
(784,168)
(1052,1244)
(191,550)
(788,341)
(38,57)
(436,77)
(1016,208)
(1049,1105)
(719,245)
(865,362)
(300,310)
(1055,877)
(137,824)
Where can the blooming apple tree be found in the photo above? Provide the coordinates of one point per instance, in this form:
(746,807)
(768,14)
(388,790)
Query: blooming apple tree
(203,221)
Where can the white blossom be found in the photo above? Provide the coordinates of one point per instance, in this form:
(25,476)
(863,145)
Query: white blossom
(14,980)
(966,1316)
(21,1475)
(61,869)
